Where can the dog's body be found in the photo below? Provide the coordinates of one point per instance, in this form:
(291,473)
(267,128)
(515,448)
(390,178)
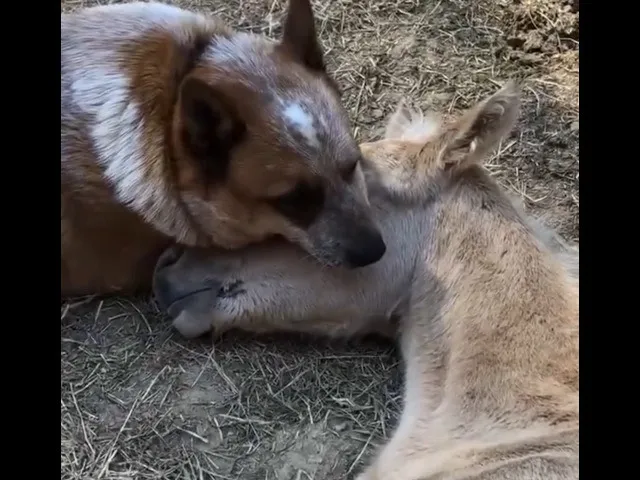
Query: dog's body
(175,128)
(487,301)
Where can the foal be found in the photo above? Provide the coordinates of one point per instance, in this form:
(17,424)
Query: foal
(484,301)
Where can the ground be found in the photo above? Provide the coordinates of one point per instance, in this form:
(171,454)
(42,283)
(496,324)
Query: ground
(139,402)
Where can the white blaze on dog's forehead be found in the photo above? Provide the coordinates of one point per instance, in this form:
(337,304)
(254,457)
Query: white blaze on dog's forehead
(297,118)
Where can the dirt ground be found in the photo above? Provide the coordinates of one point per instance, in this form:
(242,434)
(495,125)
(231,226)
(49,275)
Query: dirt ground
(139,402)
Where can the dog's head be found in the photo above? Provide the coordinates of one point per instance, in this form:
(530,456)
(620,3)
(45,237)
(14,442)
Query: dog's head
(264,147)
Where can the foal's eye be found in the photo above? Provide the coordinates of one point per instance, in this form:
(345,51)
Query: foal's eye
(349,171)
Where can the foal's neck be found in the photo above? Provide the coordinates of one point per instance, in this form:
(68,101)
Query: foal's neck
(508,309)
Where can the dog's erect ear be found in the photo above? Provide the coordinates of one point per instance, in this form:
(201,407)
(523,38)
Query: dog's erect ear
(299,35)
(481,128)
(210,127)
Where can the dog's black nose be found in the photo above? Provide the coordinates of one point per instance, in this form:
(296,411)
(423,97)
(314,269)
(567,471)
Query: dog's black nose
(366,251)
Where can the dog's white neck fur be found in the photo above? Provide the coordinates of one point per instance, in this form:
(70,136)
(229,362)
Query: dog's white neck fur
(102,91)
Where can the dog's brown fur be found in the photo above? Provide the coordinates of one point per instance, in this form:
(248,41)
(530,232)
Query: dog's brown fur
(487,299)
(175,128)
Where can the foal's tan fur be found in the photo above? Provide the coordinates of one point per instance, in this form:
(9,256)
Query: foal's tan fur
(491,339)
(487,301)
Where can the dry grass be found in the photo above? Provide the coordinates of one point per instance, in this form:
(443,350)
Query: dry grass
(140,402)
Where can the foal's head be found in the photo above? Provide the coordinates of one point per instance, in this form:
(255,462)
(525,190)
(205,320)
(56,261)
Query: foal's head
(423,159)
(422,155)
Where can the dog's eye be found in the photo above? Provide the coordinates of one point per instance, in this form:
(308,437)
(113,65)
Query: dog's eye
(293,197)
(349,171)
(302,204)
(303,194)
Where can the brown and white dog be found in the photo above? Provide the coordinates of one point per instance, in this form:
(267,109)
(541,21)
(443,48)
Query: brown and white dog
(176,128)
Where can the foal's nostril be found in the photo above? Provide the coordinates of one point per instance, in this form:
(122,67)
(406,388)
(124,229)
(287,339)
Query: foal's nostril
(164,291)
(169,257)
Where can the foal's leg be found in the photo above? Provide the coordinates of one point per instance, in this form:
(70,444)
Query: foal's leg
(403,457)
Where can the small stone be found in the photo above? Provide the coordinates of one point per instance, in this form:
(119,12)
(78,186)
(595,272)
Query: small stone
(442,97)
(533,42)
(402,46)
(339,427)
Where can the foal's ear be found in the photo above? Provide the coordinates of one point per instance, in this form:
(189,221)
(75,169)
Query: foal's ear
(481,128)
